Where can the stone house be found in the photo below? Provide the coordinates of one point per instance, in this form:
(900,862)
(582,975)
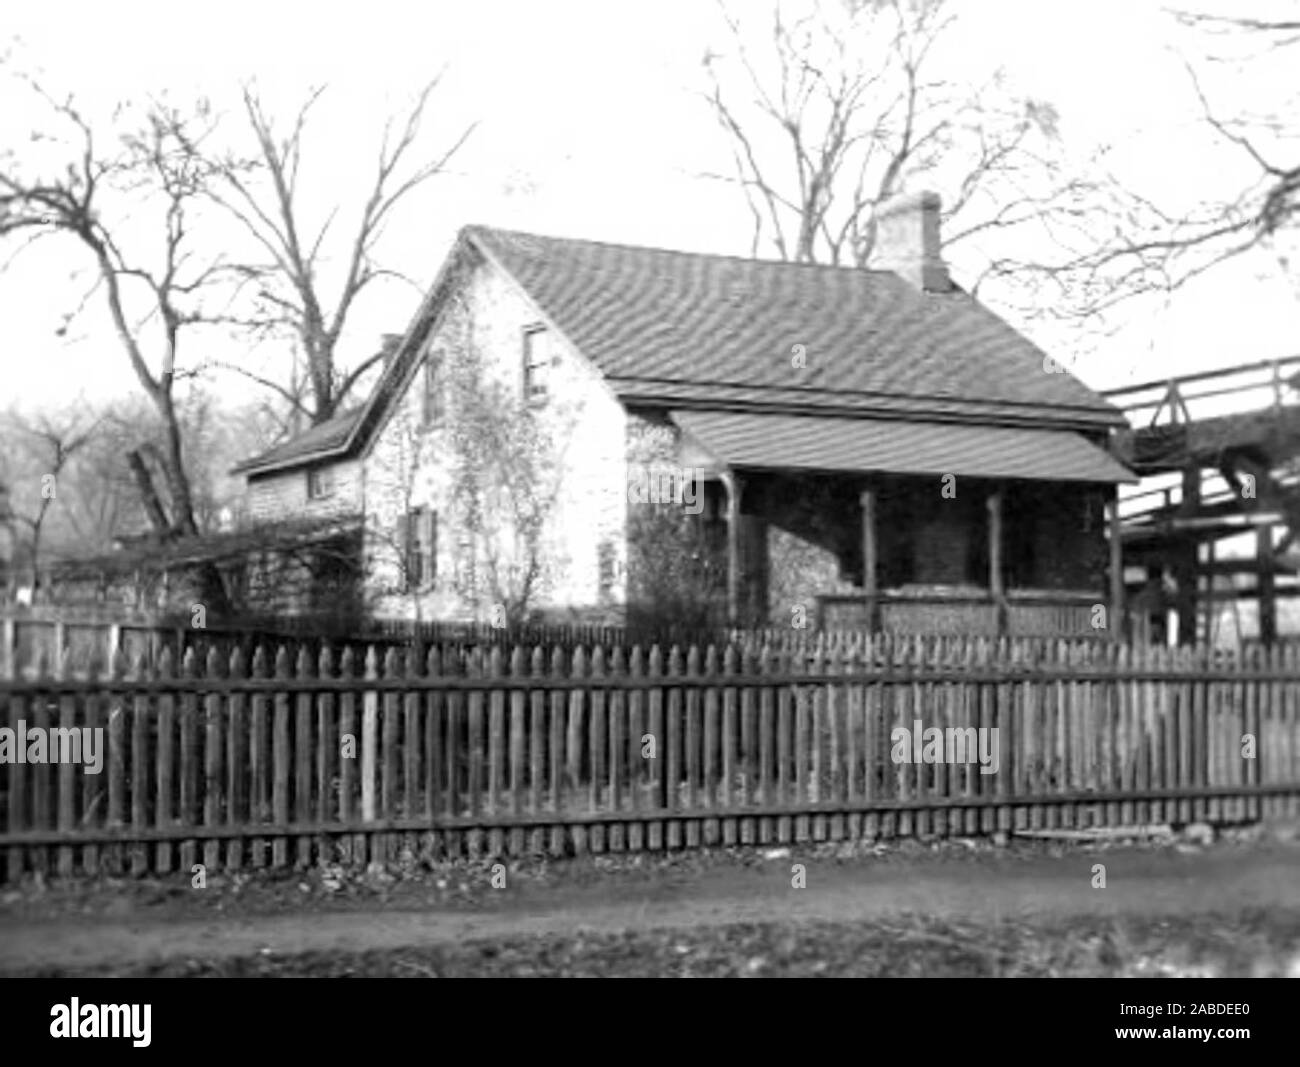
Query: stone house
(834,445)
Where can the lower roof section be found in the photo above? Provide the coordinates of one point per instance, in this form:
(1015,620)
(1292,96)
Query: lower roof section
(897,446)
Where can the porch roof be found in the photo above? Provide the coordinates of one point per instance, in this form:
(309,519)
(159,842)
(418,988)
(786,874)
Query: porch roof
(898,446)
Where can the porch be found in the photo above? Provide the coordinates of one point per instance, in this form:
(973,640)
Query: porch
(1015,540)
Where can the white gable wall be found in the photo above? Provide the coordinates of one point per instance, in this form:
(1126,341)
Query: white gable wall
(408,467)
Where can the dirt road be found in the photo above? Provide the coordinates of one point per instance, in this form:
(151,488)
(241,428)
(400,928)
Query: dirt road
(985,887)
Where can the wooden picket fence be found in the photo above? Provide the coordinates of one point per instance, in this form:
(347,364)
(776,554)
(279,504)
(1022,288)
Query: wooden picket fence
(236,764)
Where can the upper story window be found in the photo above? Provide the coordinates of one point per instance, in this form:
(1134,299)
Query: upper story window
(320,483)
(434,388)
(539,358)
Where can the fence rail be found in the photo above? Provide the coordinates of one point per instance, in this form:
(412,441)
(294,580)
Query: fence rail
(296,760)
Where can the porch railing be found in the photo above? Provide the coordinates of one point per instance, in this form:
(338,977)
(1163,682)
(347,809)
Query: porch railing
(1064,613)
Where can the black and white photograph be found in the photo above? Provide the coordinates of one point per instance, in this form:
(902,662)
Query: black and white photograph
(711,489)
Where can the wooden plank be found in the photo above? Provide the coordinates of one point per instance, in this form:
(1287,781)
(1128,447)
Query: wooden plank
(637,769)
(767,748)
(433,755)
(496,748)
(1168,703)
(67,771)
(810,735)
(348,745)
(456,754)
(1256,710)
(93,792)
(385,848)
(280,755)
(17,710)
(876,755)
(655,699)
(165,758)
(518,747)
(789,722)
(326,751)
(711,756)
(118,719)
(730,747)
(259,810)
(596,730)
(128,715)
(212,742)
(559,708)
(693,731)
(1213,699)
(537,750)
(363,844)
(236,753)
(574,742)
(1288,766)
(189,759)
(849,697)
(1199,721)
(750,754)
(618,752)
(1006,722)
(833,703)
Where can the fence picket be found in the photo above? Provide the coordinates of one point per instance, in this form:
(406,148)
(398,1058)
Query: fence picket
(259,810)
(236,732)
(518,746)
(496,748)
(597,728)
(280,755)
(212,740)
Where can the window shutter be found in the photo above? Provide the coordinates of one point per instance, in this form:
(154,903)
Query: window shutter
(430,516)
(403,539)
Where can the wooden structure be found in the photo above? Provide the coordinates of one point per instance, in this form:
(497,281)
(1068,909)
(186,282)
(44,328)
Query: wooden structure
(236,764)
(1218,452)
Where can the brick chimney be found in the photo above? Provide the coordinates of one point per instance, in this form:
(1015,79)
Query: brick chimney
(907,241)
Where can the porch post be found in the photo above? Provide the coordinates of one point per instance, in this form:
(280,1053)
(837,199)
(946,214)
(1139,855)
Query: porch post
(869,588)
(1265,584)
(1116,567)
(995,543)
(733,485)
(994,503)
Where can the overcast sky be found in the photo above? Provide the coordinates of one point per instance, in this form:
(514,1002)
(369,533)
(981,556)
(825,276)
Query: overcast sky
(589,127)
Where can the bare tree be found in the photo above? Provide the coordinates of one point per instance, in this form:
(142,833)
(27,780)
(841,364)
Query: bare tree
(127,197)
(1154,247)
(290,294)
(844,103)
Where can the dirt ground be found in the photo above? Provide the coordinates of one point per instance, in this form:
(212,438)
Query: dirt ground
(124,926)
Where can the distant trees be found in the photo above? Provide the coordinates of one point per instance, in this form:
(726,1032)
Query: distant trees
(34,453)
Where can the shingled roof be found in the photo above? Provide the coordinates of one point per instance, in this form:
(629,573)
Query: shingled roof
(687,330)
(318,442)
(718,330)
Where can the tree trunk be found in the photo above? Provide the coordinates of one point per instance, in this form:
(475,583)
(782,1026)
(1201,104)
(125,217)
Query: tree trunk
(148,494)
